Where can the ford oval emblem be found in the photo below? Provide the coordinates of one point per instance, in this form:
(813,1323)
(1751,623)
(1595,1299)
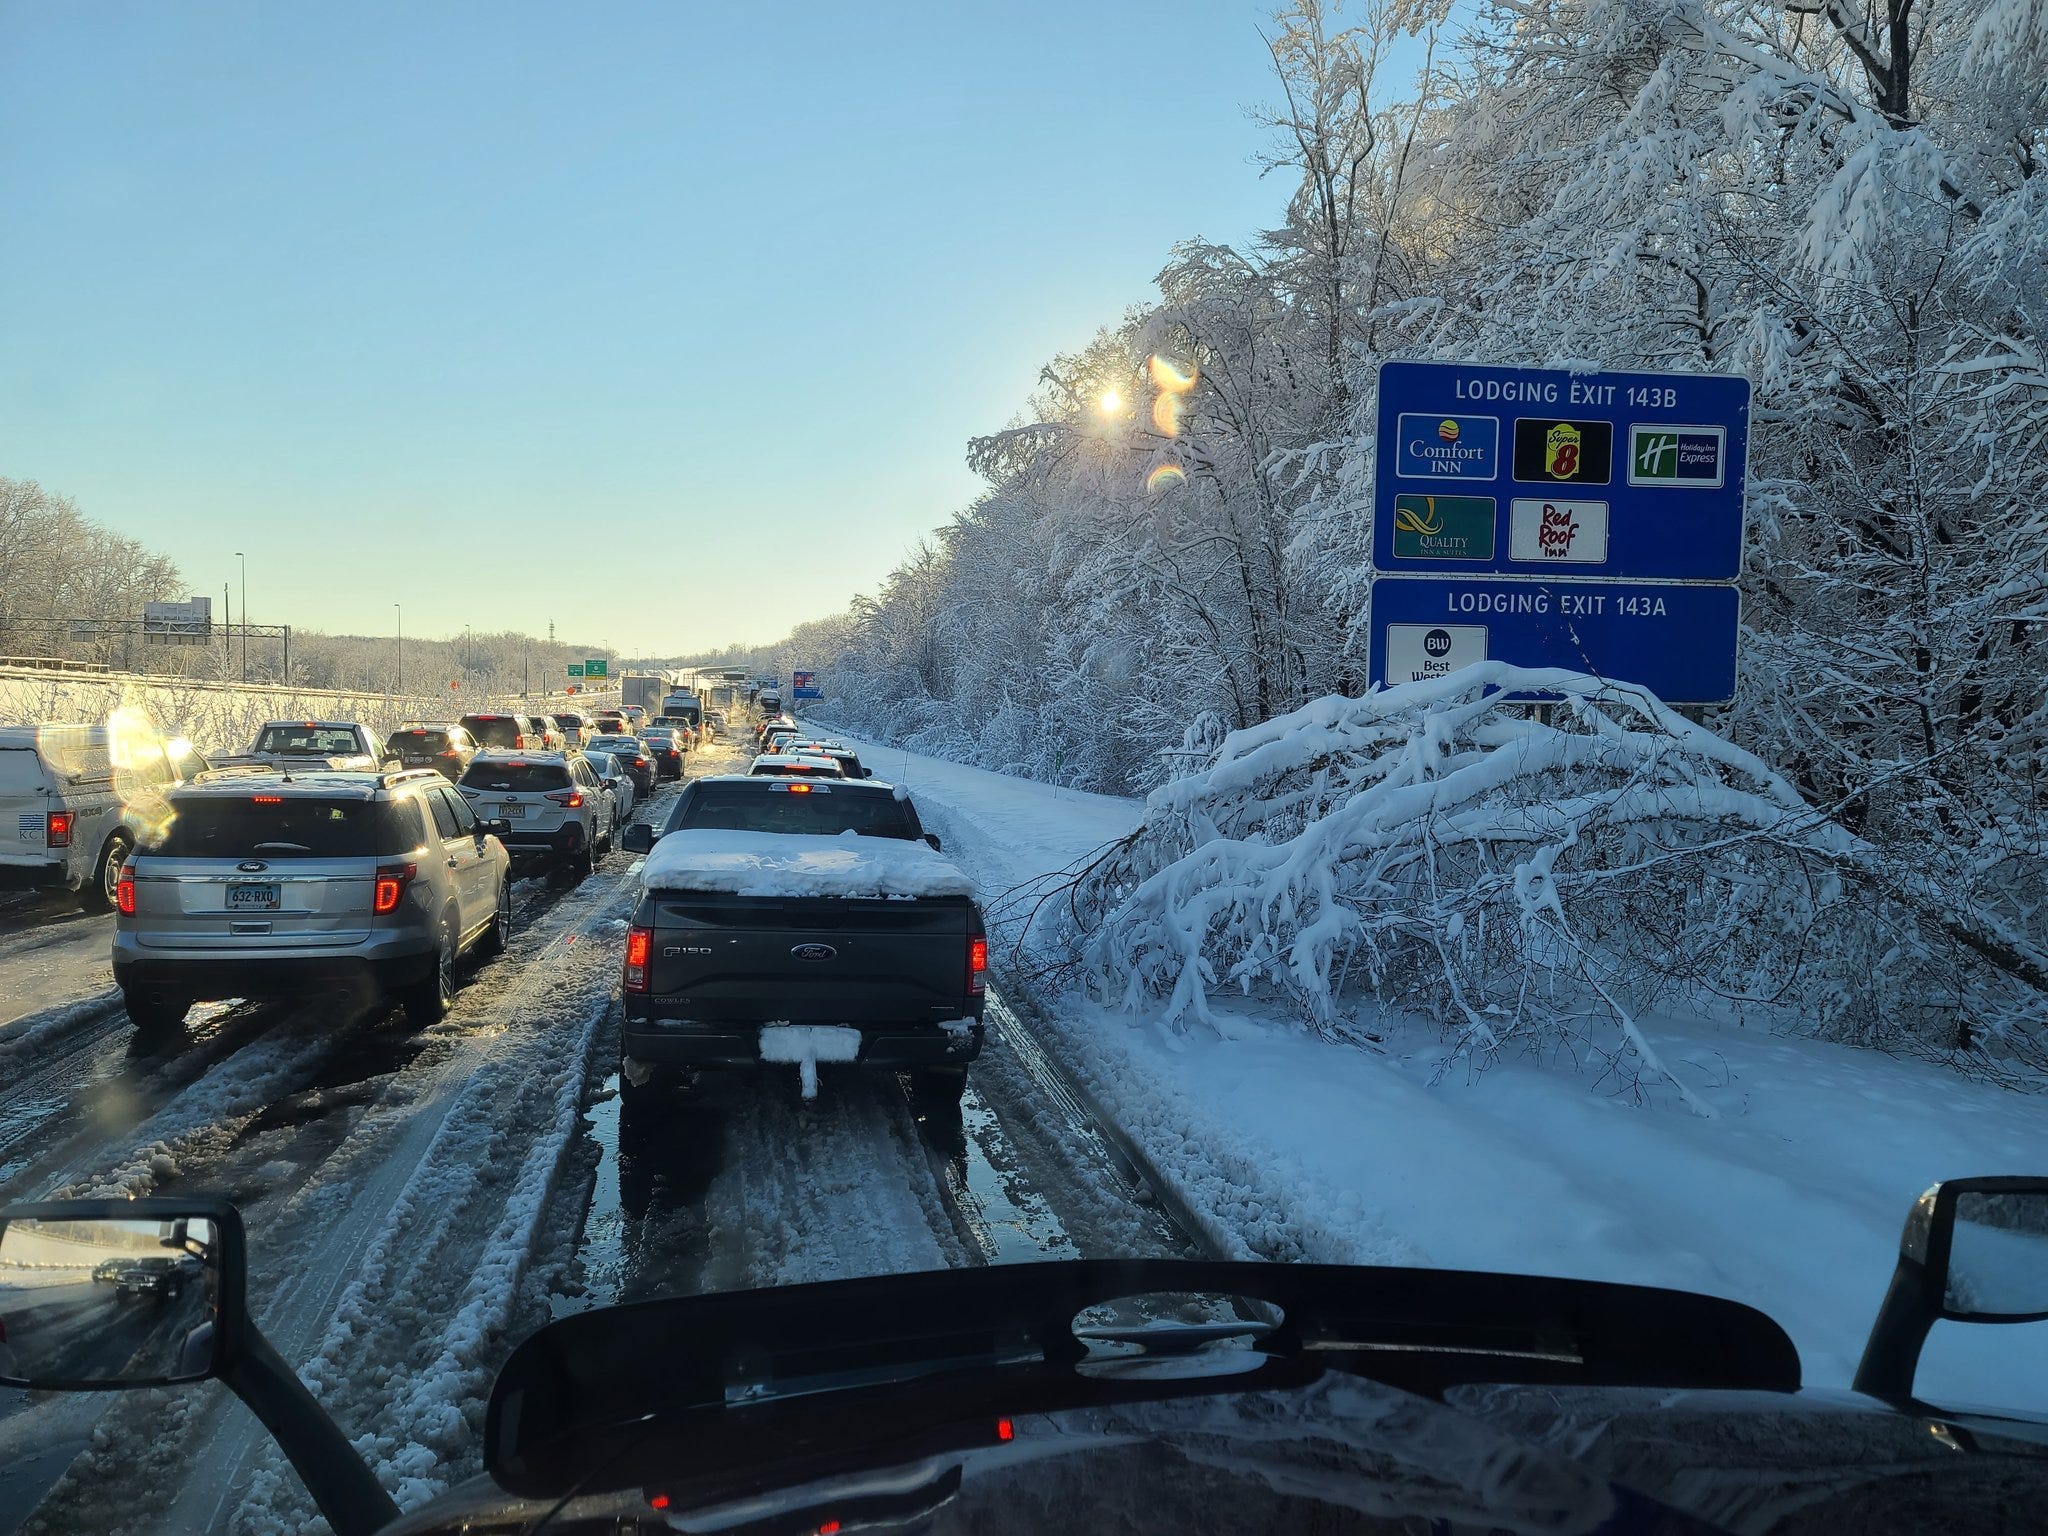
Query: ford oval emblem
(814,952)
(252,866)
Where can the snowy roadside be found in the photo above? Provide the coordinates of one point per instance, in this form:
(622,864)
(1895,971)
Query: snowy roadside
(1288,1146)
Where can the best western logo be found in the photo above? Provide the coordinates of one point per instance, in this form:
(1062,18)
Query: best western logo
(1432,447)
(1443,527)
(1685,458)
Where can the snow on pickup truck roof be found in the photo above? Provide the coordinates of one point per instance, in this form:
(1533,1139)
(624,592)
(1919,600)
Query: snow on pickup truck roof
(788,864)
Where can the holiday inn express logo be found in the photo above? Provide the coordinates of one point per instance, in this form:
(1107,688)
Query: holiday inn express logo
(1683,458)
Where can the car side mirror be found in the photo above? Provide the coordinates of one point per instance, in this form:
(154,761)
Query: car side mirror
(102,1295)
(933,839)
(1974,1251)
(495,826)
(638,838)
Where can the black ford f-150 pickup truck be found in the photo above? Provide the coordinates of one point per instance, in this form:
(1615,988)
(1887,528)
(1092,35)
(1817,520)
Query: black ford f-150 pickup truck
(799,922)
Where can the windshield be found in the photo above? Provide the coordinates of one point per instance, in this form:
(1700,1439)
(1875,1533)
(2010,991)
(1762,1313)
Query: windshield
(1426,621)
(823,812)
(309,740)
(283,827)
(515,778)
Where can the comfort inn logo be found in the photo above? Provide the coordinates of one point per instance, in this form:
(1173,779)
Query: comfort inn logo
(1431,447)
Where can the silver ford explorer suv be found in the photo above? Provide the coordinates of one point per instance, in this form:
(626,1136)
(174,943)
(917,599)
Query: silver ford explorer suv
(267,884)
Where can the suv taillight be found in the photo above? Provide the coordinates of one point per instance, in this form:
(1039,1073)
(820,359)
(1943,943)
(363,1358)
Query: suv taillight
(572,798)
(392,879)
(977,966)
(124,892)
(57,833)
(639,946)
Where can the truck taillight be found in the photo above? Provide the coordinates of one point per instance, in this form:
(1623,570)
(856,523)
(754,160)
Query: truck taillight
(392,879)
(639,945)
(124,892)
(977,966)
(57,833)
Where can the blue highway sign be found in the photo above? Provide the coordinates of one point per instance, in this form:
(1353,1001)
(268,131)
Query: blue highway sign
(1555,519)
(1677,640)
(1512,471)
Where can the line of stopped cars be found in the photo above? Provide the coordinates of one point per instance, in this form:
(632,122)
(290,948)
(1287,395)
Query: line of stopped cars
(799,915)
(322,861)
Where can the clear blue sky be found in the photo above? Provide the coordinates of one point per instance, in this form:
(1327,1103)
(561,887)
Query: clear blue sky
(606,313)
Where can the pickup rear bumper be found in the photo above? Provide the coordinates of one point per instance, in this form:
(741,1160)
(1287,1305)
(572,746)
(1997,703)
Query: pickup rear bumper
(665,1042)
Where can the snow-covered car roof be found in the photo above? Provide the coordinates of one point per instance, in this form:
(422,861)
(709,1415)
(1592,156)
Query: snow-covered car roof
(788,864)
(515,755)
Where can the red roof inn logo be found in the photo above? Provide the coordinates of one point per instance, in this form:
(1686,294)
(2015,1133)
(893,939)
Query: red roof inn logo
(1680,458)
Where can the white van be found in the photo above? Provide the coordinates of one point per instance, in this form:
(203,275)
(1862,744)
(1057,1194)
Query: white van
(71,809)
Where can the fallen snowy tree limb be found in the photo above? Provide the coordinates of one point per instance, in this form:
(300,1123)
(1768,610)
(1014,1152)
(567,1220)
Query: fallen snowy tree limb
(1533,875)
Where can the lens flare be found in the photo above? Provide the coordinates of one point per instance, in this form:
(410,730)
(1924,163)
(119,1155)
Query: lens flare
(1168,377)
(1166,415)
(1165,478)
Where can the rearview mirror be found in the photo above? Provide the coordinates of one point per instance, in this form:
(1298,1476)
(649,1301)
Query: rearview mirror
(933,839)
(99,1294)
(1974,1251)
(496,826)
(127,1293)
(638,838)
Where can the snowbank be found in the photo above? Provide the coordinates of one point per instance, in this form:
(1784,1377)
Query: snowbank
(1788,1194)
(778,864)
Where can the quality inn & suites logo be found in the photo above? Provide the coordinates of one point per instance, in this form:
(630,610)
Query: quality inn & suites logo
(1443,527)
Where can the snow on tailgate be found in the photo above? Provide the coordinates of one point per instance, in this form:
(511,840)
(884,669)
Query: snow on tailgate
(786,864)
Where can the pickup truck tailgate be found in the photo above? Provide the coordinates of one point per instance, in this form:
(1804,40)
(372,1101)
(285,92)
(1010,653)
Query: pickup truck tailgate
(809,960)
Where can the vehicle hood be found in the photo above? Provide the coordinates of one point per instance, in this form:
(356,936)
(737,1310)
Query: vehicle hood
(782,864)
(1343,1453)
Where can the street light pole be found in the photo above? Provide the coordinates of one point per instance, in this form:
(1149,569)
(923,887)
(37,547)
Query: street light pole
(400,689)
(245,615)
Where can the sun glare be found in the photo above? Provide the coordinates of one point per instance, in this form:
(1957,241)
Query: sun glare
(1110,403)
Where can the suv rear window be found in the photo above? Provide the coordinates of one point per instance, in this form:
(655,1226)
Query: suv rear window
(494,730)
(516,778)
(285,827)
(824,812)
(419,741)
(308,740)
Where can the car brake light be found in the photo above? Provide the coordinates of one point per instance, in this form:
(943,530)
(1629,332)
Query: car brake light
(266,799)
(124,892)
(58,832)
(977,966)
(1006,1429)
(571,798)
(392,879)
(639,945)
(799,789)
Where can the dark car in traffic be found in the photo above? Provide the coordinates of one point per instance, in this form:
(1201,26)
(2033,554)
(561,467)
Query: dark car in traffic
(787,921)
(445,748)
(666,749)
(503,733)
(629,757)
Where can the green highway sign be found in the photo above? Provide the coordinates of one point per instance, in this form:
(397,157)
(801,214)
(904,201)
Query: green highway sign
(575,669)
(595,667)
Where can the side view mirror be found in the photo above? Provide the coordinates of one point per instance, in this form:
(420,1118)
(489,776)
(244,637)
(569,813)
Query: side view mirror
(933,839)
(638,838)
(100,1295)
(495,826)
(1974,1251)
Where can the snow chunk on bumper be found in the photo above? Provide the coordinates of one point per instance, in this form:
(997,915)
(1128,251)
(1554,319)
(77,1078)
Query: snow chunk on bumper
(783,864)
